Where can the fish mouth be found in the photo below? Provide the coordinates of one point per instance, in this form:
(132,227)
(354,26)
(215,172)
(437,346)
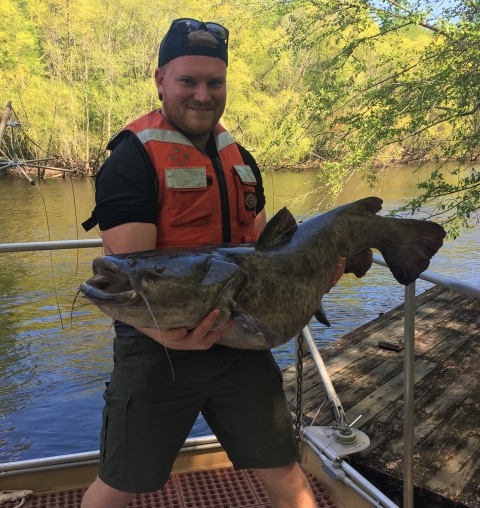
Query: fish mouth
(110,284)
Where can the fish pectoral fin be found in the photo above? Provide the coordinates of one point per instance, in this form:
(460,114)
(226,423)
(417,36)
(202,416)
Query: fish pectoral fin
(255,325)
(359,263)
(321,316)
(278,231)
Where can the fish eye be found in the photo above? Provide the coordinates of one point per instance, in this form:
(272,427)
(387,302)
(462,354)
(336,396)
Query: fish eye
(159,269)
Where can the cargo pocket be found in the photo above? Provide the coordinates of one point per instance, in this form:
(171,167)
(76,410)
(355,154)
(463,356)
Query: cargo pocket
(114,430)
(189,198)
(246,197)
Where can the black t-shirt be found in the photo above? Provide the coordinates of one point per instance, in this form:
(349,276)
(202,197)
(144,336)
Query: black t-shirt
(127,184)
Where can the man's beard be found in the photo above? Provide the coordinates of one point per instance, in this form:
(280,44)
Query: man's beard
(181,117)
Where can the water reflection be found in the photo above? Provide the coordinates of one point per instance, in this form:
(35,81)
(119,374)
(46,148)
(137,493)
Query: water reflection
(52,378)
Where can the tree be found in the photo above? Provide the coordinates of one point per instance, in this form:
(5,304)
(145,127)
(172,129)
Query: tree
(396,79)
(95,61)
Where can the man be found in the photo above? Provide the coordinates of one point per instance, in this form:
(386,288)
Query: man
(177,178)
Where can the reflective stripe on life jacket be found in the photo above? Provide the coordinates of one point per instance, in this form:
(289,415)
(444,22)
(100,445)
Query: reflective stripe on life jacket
(191,186)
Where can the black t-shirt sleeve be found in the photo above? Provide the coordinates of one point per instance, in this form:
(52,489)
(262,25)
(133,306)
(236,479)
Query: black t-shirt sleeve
(259,190)
(126,186)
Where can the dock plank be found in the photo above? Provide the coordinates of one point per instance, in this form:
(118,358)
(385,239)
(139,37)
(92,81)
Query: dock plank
(389,392)
(366,330)
(359,351)
(369,381)
(437,345)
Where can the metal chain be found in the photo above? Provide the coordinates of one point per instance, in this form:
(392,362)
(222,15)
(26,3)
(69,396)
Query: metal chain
(299,376)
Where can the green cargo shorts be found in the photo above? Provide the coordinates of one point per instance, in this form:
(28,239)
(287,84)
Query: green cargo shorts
(149,411)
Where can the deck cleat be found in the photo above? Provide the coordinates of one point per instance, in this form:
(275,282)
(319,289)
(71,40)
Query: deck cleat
(345,436)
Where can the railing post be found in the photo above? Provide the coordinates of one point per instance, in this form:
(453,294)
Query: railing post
(408,399)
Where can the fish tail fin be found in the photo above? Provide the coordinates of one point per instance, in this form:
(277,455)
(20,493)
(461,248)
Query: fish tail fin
(408,251)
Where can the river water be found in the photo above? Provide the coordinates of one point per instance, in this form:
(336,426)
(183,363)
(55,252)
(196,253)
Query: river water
(52,375)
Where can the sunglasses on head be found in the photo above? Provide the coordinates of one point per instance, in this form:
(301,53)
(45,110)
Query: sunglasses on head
(187,25)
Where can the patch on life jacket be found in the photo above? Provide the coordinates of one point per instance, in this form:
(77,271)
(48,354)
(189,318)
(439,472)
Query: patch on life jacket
(250,200)
(186,178)
(246,174)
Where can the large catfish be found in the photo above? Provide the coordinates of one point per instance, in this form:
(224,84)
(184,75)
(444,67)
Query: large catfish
(270,289)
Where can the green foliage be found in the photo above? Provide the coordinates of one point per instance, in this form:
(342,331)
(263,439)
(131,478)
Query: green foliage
(396,80)
(18,41)
(95,61)
(456,203)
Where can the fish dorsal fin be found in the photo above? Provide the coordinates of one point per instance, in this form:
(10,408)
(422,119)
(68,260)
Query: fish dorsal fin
(278,231)
(371,204)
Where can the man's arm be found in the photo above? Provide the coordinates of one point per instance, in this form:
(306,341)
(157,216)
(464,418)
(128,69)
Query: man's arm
(130,237)
(260,221)
(338,273)
(138,236)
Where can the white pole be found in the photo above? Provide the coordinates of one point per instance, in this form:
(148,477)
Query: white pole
(330,392)
(55,245)
(408,400)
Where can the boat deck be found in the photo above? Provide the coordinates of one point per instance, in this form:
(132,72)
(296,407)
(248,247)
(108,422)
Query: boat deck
(214,488)
(368,379)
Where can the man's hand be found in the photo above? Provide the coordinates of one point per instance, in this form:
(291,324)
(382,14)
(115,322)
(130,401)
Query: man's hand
(199,338)
(338,273)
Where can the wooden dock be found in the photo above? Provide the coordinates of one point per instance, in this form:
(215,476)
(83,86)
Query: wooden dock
(369,381)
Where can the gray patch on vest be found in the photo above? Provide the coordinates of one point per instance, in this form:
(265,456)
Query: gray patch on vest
(246,174)
(186,178)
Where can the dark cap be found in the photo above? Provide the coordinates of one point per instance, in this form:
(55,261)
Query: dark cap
(174,44)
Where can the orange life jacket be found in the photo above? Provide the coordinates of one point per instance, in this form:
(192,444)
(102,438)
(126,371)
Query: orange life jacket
(190,187)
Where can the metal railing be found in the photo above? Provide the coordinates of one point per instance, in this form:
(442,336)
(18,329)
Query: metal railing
(204,443)
(409,368)
(441,280)
(54,245)
(409,373)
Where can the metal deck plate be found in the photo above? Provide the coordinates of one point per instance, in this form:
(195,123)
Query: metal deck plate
(327,436)
(214,488)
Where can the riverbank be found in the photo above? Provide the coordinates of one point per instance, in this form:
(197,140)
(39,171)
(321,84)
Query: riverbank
(407,159)
(45,174)
(81,169)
